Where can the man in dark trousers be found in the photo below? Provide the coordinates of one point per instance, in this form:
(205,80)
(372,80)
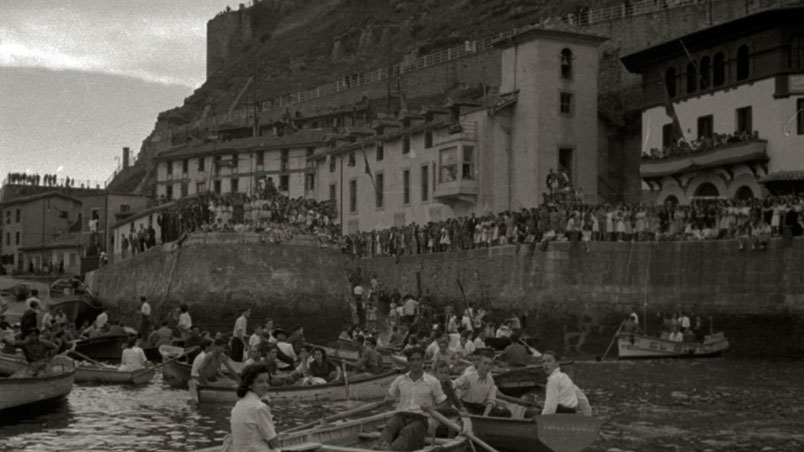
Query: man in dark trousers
(29,319)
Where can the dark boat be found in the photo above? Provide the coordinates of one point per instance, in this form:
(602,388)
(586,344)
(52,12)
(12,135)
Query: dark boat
(107,348)
(548,433)
(75,300)
(16,392)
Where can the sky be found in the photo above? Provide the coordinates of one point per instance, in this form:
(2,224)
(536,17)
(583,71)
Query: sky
(81,79)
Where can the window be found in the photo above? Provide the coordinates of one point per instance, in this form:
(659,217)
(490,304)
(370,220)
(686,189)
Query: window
(309,181)
(284,182)
(125,207)
(692,78)
(566,64)
(448,164)
(217,165)
(331,163)
(201,164)
(406,187)
(185,165)
(705,126)
(352,196)
(468,167)
(170,168)
(169,191)
(742,63)
(183,188)
(566,103)
(565,161)
(351,161)
(8,216)
(17,238)
(667,135)
(18,215)
(260,158)
(425,183)
(332,193)
(406,144)
(8,239)
(704,70)
(797,52)
(284,160)
(428,139)
(379,183)
(719,69)
(800,116)
(234,184)
(744,123)
(380,152)
(199,187)
(670,82)
(217,186)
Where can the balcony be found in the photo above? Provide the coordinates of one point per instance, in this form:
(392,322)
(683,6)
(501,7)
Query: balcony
(464,190)
(730,154)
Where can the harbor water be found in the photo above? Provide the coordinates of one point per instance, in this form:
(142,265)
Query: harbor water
(718,404)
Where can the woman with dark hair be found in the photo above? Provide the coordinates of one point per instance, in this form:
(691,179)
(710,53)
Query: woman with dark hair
(252,423)
(322,368)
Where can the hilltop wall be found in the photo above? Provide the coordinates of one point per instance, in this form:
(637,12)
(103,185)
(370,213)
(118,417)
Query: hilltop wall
(218,274)
(574,300)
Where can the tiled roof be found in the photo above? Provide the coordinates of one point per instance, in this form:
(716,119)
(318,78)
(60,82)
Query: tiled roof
(30,198)
(784,176)
(300,138)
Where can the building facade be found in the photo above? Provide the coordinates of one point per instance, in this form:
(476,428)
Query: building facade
(737,93)
(476,157)
(100,213)
(32,221)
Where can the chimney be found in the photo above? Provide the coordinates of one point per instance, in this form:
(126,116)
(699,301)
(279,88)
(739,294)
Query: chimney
(125,157)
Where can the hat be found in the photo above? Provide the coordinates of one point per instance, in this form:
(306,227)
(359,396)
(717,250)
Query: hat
(279,331)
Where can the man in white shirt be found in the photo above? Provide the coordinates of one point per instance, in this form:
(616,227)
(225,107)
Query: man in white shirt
(561,394)
(477,390)
(101,320)
(195,370)
(409,309)
(239,335)
(133,357)
(185,321)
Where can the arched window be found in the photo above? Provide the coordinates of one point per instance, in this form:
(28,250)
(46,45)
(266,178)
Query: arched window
(670,82)
(566,64)
(704,69)
(744,193)
(707,189)
(719,69)
(797,52)
(742,63)
(692,78)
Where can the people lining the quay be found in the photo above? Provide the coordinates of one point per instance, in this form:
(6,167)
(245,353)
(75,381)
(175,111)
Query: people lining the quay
(703,144)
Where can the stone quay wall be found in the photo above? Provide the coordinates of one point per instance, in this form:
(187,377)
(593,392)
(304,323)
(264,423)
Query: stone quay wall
(574,300)
(217,274)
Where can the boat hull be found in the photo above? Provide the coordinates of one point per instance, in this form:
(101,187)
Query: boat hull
(516,381)
(634,346)
(23,391)
(176,374)
(86,374)
(107,348)
(371,387)
(544,434)
(78,308)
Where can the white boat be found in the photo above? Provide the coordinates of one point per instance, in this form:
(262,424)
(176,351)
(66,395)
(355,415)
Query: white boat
(631,346)
(21,391)
(87,372)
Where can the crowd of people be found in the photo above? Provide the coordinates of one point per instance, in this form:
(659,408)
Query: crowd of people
(47,180)
(703,144)
(753,221)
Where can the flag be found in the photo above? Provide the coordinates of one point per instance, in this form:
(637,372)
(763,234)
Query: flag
(367,169)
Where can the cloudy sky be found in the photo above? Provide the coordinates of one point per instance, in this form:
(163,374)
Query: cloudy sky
(81,79)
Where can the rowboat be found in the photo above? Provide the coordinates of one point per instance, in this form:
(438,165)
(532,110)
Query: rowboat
(22,391)
(347,351)
(547,433)
(86,372)
(515,381)
(176,373)
(74,299)
(109,347)
(630,346)
(361,388)
(357,435)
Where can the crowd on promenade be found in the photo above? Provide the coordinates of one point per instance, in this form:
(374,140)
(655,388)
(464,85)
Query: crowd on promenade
(753,221)
(703,144)
(46,180)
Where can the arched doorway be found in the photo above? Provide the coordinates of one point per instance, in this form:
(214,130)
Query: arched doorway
(744,193)
(706,189)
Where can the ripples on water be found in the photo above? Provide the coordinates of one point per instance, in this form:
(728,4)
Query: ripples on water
(148,418)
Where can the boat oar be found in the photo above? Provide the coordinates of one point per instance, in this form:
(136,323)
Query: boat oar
(335,417)
(453,426)
(616,334)
(146,369)
(86,358)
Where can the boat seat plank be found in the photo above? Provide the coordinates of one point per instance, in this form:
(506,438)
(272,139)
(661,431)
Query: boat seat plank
(304,447)
(369,435)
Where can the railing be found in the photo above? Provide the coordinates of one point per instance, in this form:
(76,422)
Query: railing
(583,18)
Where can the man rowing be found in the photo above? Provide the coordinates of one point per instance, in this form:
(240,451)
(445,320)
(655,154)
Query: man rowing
(477,390)
(37,352)
(561,394)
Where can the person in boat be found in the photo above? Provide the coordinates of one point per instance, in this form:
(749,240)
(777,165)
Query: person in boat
(116,329)
(414,392)
(194,339)
(37,351)
(6,330)
(296,338)
(286,353)
(185,321)
(239,342)
(28,321)
(133,357)
(268,330)
(145,318)
(255,339)
(443,352)
(369,358)
(195,369)
(161,336)
(252,423)
(515,353)
(561,394)
(210,369)
(503,331)
(101,320)
(675,334)
(254,355)
(322,367)
(451,408)
(477,390)
(631,326)
(465,345)
(346,334)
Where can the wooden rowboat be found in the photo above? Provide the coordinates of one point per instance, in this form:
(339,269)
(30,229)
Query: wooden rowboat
(107,348)
(86,372)
(553,432)
(361,388)
(630,346)
(348,352)
(176,373)
(22,391)
(357,435)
